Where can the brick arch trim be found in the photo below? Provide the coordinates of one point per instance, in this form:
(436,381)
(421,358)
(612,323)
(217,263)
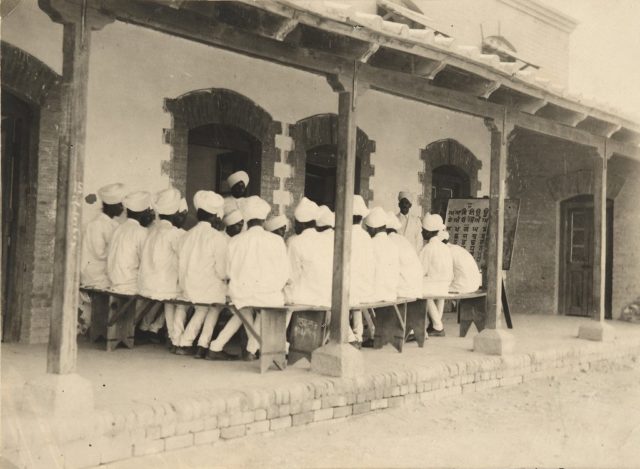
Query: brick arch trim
(31,80)
(221,106)
(322,129)
(447,152)
(567,185)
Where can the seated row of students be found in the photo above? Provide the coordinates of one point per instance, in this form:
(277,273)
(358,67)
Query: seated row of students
(246,262)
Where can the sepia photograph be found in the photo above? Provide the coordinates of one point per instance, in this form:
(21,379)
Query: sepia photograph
(320,234)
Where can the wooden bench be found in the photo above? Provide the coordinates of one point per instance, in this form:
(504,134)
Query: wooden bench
(471,310)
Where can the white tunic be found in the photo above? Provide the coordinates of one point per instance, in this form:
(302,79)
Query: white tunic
(437,266)
(362,267)
(202,264)
(387,268)
(412,230)
(125,251)
(311,261)
(258,268)
(95,247)
(158,275)
(466,275)
(410,284)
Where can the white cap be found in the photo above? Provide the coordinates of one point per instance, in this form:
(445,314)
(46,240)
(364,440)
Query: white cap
(183,205)
(405,195)
(443,235)
(359,206)
(236,177)
(392,221)
(233,217)
(167,202)
(377,218)
(433,222)
(256,208)
(307,210)
(274,223)
(325,217)
(137,201)
(112,194)
(210,202)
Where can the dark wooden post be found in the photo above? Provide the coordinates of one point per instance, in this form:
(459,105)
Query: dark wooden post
(493,339)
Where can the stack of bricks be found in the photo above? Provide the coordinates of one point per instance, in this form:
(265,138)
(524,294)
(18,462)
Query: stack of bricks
(148,429)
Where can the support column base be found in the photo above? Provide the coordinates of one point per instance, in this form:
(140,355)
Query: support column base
(597,331)
(58,395)
(494,342)
(340,360)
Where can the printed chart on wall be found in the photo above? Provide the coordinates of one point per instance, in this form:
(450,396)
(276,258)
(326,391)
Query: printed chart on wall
(468,224)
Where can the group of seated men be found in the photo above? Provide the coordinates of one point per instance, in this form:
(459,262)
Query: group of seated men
(236,253)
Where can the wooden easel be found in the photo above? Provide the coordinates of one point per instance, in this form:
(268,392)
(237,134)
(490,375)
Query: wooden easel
(505,306)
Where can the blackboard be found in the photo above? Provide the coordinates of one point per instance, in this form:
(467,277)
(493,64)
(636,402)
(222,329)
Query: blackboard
(468,223)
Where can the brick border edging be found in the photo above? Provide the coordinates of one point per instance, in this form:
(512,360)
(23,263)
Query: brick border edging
(149,429)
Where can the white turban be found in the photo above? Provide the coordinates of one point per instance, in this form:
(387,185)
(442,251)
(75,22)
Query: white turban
(274,223)
(405,195)
(376,218)
(306,210)
(233,217)
(167,202)
(210,202)
(443,235)
(392,221)
(183,205)
(359,206)
(236,177)
(433,222)
(325,217)
(112,194)
(137,201)
(256,208)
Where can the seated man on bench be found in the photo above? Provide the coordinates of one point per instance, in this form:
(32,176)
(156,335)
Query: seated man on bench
(466,274)
(410,269)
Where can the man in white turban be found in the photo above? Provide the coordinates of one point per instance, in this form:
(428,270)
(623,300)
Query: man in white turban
(466,274)
(362,268)
(258,270)
(277,225)
(238,183)
(437,266)
(202,272)
(233,222)
(158,275)
(385,256)
(410,226)
(97,236)
(125,249)
(311,260)
(326,221)
(410,273)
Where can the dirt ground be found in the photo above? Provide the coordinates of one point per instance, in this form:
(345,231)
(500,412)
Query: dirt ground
(575,420)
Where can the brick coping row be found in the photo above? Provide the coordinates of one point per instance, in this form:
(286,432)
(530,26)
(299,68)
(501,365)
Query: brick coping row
(142,429)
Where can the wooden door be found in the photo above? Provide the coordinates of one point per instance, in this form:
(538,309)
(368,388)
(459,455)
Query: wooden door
(576,262)
(447,182)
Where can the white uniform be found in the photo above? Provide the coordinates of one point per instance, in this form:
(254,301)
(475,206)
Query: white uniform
(437,266)
(411,228)
(311,261)
(387,268)
(123,260)
(95,247)
(158,275)
(362,266)
(410,274)
(466,275)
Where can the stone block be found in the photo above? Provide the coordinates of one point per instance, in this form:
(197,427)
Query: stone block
(323,414)
(597,331)
(344,411)
(211,422)
(361,408)
(280,422)
(494,342)
(379,404)
(340,360)
(147,447)
(206,437)
(303,418)
(397,401)
(235,431)
(260,414)
(58,395)
(167,429)
(179,441)
(258,427)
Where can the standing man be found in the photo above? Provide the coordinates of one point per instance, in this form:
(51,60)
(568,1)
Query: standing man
(437,266)
(238,183)
(258,270)
(125,249)
(410,226)
(202,272)
(97,235)
(158,275)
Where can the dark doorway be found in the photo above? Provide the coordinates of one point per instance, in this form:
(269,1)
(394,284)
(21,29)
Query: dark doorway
(17,121)
(216,151)
(448,182)
(576,257)
(320,175)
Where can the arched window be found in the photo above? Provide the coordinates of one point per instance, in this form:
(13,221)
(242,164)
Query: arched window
(448,182)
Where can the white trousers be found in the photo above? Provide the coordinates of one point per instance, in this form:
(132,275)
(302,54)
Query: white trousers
(203,321)
(357,328)
(152,321)
(435,310)
(175,316)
